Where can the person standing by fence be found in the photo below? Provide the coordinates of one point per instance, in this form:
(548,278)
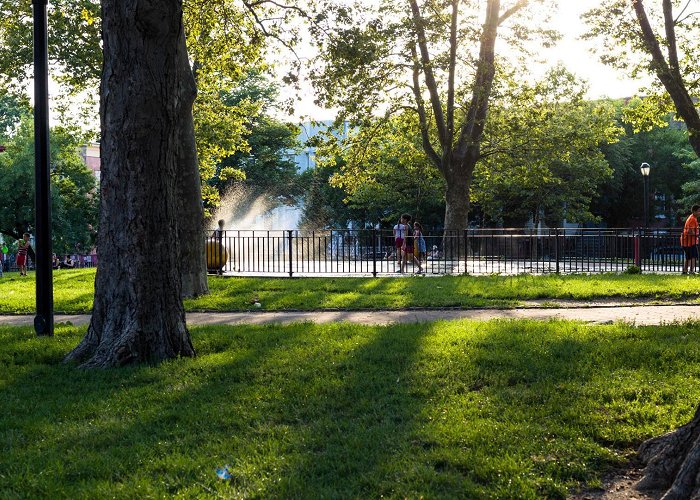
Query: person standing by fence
(219,236)
(689,240)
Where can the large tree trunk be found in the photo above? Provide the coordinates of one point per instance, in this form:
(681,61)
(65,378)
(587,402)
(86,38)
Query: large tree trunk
(673,462)
(189,192)
(138,314)
(457,202)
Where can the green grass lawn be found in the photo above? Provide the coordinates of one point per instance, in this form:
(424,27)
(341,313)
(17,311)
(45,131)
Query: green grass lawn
(502,409)
(73,291)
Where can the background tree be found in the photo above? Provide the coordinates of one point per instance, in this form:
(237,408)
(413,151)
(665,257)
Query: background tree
(666,149)
(135,318)
(541,152)
(265,167)
(436,58)
(383,172)
(74,194)
(12,109)
(540,157)
(324,205)
(691,189)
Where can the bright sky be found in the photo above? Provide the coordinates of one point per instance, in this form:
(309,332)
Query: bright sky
(603,80)
(575,54)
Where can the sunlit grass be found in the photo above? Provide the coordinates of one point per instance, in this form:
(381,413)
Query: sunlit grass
(503,409)
(73,290)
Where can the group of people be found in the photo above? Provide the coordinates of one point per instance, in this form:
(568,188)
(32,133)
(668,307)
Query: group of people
(25,252)
(409,241)
(66,263)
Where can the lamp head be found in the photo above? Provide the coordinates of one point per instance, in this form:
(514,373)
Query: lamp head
(645,169)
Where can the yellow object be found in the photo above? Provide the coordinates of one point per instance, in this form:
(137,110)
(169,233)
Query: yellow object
(217,256)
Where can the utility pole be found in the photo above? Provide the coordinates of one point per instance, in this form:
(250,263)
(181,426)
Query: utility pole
(43,321)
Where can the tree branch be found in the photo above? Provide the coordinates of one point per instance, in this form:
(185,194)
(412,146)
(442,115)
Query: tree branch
(430,81)
(452,66)
(473,127)
(671,38)
(515,8)
(422,118)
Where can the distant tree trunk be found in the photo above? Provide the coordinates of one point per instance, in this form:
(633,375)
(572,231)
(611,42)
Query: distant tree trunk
(189,192)
(138,314)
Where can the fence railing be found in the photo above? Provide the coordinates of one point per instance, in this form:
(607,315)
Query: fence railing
(473,251)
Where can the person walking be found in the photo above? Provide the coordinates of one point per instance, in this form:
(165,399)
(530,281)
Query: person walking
(400,230)
(689,240)
(420,248)
(23,247)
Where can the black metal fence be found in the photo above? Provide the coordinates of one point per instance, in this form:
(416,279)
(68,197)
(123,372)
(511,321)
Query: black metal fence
(472,251)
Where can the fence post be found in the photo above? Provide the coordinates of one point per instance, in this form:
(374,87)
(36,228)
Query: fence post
(637,254)
(374,252)
(556,247)
(289,239)
(466,246)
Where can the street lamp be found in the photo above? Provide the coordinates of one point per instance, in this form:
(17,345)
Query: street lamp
(645,168)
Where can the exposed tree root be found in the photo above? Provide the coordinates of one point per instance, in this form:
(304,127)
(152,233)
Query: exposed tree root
(673,462)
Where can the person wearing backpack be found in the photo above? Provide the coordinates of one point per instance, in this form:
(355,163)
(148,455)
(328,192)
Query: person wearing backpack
(419,246)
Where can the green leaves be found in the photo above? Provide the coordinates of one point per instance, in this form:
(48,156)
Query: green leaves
(74,193)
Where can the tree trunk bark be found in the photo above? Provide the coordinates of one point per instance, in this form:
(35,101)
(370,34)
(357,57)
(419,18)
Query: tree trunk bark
(673,462)
(457,199)
(138,314)
(189,192)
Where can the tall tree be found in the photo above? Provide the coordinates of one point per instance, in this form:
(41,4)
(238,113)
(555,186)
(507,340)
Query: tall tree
(667,37)
(136,317)
(399,56)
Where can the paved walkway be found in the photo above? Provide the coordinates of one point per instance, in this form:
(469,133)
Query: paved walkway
(597,313)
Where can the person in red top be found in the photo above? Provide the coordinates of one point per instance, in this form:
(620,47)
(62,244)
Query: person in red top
(689,240)
(23,247)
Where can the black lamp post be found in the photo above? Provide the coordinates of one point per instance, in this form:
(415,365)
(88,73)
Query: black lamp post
(43,322)
(645,168)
